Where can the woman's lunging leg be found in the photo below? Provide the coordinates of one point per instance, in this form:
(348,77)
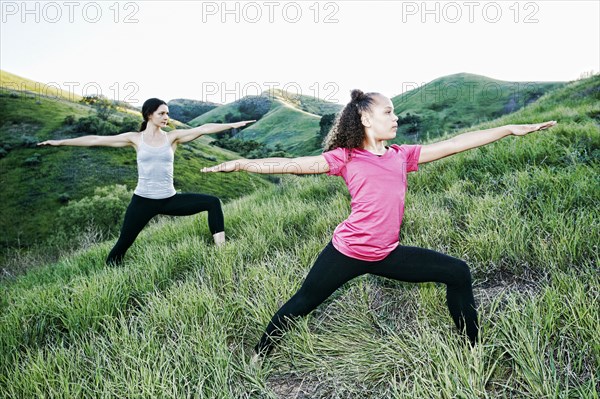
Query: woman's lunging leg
(190,204)
(138,214)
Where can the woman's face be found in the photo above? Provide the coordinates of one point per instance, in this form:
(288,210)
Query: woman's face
(381,123)
(160,117)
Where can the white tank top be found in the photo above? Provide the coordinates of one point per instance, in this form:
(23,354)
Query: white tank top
(155,170)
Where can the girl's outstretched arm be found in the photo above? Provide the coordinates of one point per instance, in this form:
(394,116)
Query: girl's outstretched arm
(301,165)
(185,135)
(478,138)
(119,140)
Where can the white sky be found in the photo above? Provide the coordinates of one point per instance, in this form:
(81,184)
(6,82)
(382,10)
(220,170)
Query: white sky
(196,49)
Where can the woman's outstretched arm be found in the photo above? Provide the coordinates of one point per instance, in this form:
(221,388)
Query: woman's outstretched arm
(185,135)
(299,166)
(119,140)
(478,138)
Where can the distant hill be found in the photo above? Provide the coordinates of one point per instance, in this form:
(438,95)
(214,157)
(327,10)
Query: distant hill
(246,108)
(185,110)
(283,118)
(287,125)
(13,83)
(461,100)
(438,107)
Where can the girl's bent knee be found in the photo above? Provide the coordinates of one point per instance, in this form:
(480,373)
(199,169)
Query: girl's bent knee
(214,203)
(463,272)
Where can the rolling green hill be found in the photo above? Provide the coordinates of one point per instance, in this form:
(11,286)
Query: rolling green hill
(185,110)
(16,84)
(285,125)
(180,317)
(283,118)
(442,106)
(251,107)
(462,100)
(38,181)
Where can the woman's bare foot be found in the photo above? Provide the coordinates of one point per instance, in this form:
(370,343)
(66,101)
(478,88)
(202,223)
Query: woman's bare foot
(219,238)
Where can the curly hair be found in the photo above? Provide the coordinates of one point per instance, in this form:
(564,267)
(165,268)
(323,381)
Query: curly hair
(347,130)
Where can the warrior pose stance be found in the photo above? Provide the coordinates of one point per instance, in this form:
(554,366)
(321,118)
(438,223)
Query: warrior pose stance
(368,240)
(155,193)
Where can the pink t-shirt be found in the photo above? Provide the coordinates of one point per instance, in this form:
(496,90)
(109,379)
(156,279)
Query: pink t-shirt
(377,186)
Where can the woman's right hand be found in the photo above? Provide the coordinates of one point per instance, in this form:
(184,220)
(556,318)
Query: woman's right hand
(49,142)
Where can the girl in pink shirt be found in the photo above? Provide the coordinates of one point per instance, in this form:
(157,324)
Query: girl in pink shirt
(367,241)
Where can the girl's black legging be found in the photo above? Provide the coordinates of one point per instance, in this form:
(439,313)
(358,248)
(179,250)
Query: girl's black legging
(332,269)
(141,210)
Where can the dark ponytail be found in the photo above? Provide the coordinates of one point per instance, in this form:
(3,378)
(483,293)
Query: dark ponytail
(348,130)
(148,109)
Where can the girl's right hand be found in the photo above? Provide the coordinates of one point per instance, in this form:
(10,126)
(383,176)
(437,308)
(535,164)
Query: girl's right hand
(229,166)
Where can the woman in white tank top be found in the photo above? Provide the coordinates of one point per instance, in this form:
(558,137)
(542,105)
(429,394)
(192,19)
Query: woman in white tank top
(155,193)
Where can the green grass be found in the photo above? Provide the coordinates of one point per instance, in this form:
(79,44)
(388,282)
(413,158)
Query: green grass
(179,318)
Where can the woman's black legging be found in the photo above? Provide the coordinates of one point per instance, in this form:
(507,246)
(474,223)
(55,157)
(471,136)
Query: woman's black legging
(141,210)
(332,269)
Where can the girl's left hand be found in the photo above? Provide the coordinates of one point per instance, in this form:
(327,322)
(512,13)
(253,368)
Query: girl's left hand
(521,130)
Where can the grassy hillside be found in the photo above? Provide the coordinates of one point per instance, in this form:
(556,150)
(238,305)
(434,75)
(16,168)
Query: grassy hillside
(185,110)
(308,104)
(287,119)
(258,105)
(285,125)
(444,105)
(179,318)
(461,100)
(13,83)
(35,178)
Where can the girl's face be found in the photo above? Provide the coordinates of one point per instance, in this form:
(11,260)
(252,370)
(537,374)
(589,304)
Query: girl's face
(160,117)
(381,123)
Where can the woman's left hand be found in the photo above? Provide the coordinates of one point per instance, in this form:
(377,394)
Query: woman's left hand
(521,130)
(235,125)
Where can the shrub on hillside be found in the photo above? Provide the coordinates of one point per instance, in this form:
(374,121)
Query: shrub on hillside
(130,124)
(28,142)
(185,110)
(33,160)
(250,148)
(69,120)
(104,211)
(95,125)
(103,106)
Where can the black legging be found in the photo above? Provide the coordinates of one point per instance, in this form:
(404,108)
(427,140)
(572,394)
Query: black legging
(332,269)
(141,210)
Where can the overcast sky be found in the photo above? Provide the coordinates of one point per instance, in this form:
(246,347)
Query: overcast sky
(220,51)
